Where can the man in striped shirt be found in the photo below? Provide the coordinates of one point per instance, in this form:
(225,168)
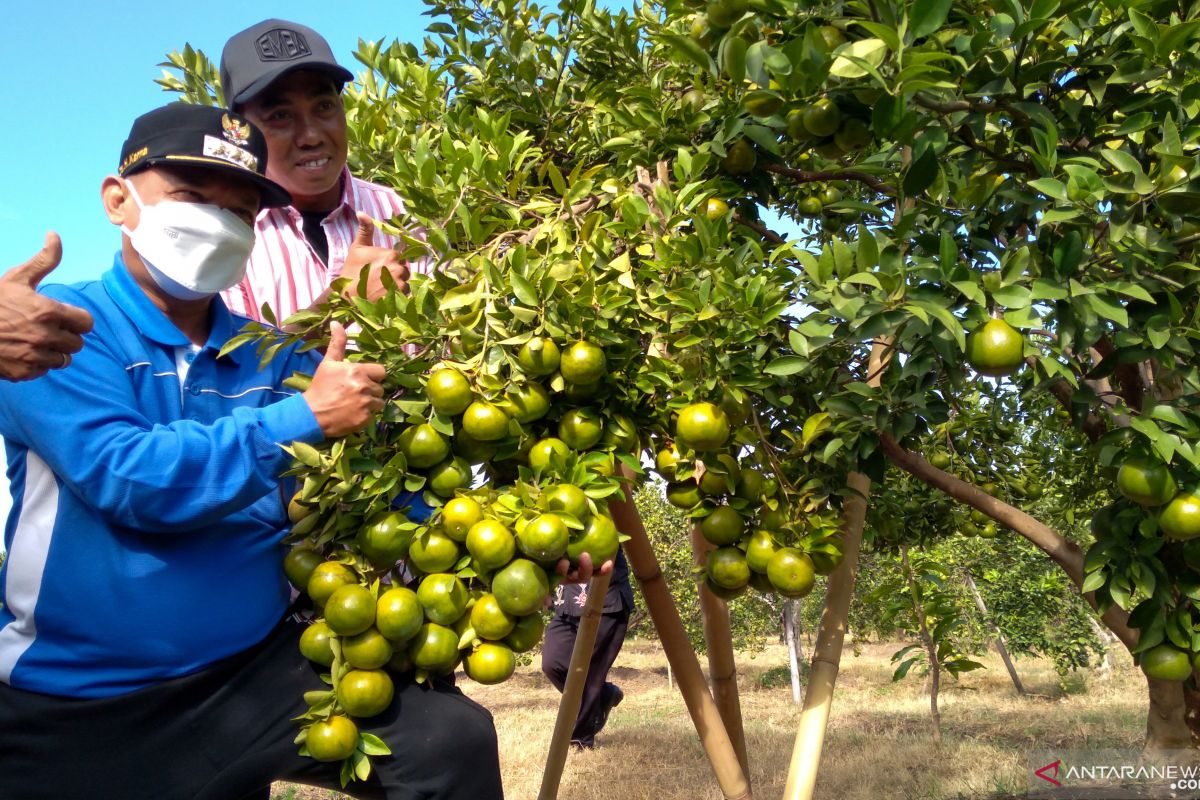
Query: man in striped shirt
(284,78)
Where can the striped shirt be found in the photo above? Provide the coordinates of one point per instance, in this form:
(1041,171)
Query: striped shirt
(285,272)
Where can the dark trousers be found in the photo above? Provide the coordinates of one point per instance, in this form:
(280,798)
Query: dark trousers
(556,659)
(226,733)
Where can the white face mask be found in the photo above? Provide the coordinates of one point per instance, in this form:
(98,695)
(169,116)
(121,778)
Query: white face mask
(192,250)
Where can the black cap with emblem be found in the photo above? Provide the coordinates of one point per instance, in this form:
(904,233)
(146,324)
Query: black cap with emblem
(255,58)
(201,136)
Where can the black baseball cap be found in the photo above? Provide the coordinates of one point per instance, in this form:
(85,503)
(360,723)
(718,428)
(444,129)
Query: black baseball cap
(182,134)
(255,58)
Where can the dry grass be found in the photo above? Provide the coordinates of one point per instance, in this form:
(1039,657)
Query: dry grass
(878,744)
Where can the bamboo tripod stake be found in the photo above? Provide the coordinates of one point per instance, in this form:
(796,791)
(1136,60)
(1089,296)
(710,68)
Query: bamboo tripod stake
(700,704)
(722,669)
(572,696)
(827,652)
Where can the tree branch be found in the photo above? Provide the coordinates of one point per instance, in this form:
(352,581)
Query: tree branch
(953,106)
(762,230)
(1063,552)
(820,176)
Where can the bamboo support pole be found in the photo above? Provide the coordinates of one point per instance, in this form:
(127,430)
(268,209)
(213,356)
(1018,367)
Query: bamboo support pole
(1001,648)
(827,651)
(722,669)
(793,646)
(572,696)
(703,710)
(831,633)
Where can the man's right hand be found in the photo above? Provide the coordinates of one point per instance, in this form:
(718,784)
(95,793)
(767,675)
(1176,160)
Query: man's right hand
(37,334)
(344,397)
(364,254)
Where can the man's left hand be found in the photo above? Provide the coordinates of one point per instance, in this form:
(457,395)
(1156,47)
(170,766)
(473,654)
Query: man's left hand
(363,254)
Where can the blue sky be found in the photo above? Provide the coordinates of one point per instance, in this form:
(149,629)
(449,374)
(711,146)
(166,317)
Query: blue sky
(78,72)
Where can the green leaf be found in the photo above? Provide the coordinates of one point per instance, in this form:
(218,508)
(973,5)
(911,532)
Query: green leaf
(1015,296)
(885,32)
(1108,309)
(970,290)
(1123,161)
(786,365)
(692,51)
(943,315)
(372,745)
(927,16)
(1051,187)
(306,454)
(814,426)
(848,63)
(524,290)
(732,53)
(921,173)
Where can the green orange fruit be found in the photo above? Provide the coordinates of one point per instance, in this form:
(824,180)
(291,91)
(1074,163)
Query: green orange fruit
(583,363)
(350,609)
(1181,518)
(727,568)
(398,614)
(1166,663)
(1147,482)
(724,526)
(443,596)
(995,348)
(491,544)
(521,587)
(702,426)
(539,357)
(332,739)
(791,572)
(449,391)
(423,446)
(490,663)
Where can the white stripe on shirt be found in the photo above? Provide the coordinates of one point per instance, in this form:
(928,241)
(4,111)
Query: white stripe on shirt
(27,561)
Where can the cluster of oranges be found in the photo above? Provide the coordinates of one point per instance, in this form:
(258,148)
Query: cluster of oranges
(738,508)
(518,479)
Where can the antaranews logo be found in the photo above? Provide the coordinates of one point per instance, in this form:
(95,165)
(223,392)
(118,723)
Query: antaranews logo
(1096,774)
(1049,773)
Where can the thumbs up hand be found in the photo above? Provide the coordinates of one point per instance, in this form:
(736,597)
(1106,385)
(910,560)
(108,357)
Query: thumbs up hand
(37,334)
(344,396)
(363,254)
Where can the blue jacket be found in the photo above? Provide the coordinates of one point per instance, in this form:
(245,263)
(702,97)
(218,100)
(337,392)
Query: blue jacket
(144,539)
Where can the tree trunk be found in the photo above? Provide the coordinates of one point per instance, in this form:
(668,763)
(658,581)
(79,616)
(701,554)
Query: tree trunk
(935,666)
(1166,725)
(793,646)
(995,629)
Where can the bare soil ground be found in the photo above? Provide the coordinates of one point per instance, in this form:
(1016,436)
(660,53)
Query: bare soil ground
(878,745)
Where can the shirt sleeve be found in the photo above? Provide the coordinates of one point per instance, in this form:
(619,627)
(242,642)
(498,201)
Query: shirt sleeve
(85,422)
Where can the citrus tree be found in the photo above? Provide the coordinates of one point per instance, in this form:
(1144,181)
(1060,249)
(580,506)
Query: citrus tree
(987,193)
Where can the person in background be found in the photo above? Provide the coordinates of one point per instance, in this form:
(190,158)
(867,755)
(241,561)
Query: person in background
(146,644)
(599,695)
(284,78)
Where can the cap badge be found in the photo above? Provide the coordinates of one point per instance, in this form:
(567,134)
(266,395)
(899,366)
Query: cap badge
(215,148)
(236,130)
(282,44)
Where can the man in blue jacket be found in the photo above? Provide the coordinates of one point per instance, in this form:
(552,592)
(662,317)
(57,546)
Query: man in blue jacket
(145,647)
